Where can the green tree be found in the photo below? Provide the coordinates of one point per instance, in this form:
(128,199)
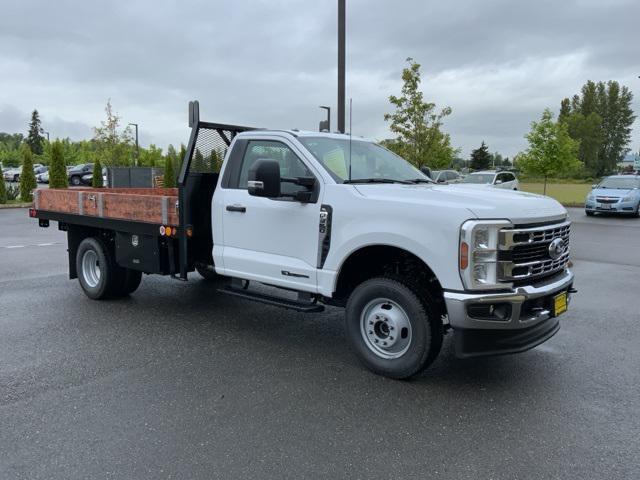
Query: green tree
(96,181)
(606,144)
(35,140)
(27,177)
(198,162)
(417,124)
(480,158)
(57,170)
(3,191)
(169,174)
(551,150)
(113,146)
(181,155)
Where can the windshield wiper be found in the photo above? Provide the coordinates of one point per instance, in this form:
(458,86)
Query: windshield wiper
(376,180)
(420,180)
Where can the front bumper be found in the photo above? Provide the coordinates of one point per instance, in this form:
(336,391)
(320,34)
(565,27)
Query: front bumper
(529,321)
(618,207)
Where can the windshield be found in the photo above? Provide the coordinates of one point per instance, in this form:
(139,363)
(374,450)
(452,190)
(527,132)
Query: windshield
(478,178)
(368,160)
(623,183)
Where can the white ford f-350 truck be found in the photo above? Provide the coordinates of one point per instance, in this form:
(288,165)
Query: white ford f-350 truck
(335,221)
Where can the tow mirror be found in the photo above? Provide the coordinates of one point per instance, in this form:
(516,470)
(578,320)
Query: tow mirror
(264,178)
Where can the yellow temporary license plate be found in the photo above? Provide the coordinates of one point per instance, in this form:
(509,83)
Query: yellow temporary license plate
(560,303)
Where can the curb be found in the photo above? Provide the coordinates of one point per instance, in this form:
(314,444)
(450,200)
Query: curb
(15,205)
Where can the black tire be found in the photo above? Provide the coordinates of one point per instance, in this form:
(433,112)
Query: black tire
(104,285)
(128,282)
(16,178)
(589,214)
(425,338)
(75,180)
(207,272)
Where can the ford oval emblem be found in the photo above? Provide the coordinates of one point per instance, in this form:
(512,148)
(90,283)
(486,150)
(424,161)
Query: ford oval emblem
(556,248)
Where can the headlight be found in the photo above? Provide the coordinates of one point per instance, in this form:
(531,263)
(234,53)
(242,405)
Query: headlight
(590,197)
(628,199)
(479,254)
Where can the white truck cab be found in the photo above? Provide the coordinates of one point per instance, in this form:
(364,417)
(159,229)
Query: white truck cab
(353,224)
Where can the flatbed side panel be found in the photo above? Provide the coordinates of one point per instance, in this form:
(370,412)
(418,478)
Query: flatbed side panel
(139,205)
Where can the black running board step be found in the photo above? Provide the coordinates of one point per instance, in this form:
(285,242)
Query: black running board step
(305,307)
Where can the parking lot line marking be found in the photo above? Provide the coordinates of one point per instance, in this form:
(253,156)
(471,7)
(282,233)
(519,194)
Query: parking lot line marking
(48,244)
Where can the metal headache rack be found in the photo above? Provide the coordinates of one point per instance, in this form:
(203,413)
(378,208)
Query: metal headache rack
(207,147)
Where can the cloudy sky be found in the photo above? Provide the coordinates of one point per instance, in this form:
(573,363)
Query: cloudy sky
(498,64)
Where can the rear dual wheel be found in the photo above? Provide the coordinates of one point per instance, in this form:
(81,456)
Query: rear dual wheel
(98,273)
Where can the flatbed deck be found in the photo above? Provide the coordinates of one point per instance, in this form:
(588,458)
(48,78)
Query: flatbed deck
(149,205)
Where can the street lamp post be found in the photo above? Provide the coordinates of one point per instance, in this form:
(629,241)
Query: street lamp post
(47,134)
(137,148)
(341,63)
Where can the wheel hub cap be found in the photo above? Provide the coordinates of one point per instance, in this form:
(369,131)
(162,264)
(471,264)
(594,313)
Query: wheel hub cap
(385,328)
(91,268)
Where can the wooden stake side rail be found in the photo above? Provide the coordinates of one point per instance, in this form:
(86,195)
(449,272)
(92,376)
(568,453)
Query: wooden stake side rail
(150,205)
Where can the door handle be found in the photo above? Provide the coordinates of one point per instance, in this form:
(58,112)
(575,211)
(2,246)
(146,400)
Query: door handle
(236,208)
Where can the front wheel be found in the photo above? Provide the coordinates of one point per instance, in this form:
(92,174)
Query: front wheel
(394,331)
(588,213)
(75,181)
(16,178)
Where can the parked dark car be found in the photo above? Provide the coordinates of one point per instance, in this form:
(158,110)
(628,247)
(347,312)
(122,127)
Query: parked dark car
(79,171)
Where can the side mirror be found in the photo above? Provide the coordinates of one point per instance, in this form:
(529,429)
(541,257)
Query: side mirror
(595,185)
(498,182)
(264,178)
(442,180)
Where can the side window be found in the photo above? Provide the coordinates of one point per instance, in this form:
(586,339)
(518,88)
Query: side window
(500,177)
(452,176)
(509,177)
(290,164)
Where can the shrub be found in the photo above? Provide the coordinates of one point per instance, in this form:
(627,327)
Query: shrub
(97,175)
(169,175)
(3,191)
(13,192)
(57,171)
(27,177)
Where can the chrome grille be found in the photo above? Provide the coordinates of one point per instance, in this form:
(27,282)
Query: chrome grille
(607,199)
(524,253)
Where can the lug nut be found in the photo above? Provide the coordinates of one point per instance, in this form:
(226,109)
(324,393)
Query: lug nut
(370,332)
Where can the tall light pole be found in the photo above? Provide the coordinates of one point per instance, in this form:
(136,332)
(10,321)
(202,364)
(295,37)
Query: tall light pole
(137,148)
(341,63)
(46,133)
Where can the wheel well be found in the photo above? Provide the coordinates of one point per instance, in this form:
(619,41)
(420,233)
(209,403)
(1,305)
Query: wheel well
(384,260)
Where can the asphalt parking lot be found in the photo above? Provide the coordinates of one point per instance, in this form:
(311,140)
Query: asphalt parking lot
(178,381)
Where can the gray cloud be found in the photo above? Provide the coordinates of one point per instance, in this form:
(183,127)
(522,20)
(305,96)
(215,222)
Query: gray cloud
(270,63)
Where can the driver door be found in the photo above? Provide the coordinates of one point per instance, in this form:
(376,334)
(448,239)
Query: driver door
(274,241)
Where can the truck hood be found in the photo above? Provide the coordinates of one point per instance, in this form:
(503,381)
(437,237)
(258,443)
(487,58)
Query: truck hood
(483,203)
